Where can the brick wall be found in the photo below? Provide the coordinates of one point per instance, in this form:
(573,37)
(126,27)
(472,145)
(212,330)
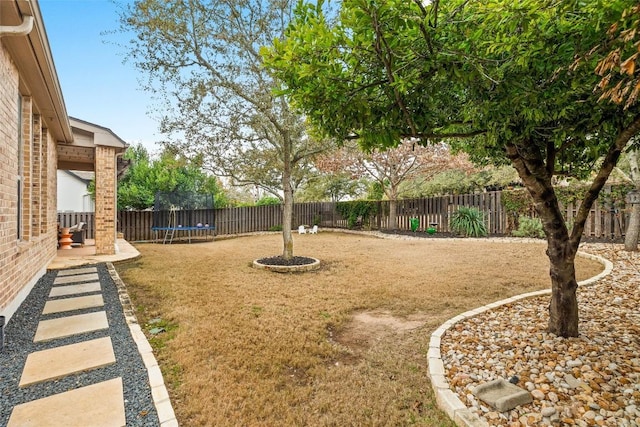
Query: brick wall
(27,165)
(105,215)
(36,176)
(23,260)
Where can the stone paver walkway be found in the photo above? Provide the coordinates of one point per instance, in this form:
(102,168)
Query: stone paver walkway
(47,365)
(95,405)
(98,404)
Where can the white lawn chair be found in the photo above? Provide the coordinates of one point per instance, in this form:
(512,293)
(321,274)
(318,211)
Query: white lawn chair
(302,230)
(314,230)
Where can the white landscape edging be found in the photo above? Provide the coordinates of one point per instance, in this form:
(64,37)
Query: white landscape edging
(446,399)
(159,393)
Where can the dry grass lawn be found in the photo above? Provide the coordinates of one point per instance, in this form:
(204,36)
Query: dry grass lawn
(341,346)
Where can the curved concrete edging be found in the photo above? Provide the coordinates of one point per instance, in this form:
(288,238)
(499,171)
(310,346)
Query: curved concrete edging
(288,268)
(159,393)
(446,399)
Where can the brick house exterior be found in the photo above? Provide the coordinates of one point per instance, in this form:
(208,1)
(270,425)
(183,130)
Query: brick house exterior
(37,138)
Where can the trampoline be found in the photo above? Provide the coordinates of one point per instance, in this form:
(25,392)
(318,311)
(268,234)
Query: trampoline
(181,213)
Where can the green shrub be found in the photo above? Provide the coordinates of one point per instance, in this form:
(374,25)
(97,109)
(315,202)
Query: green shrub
(357,212)
(275,228)
(529,227)
(468,222)
(268,201)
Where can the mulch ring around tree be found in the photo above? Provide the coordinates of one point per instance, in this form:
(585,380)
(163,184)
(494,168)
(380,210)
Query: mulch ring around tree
(279,260)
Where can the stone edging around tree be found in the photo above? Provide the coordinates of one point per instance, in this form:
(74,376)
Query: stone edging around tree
(446,399)
(288,268)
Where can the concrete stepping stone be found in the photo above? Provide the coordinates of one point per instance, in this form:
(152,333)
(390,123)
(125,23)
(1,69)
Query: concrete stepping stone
(70,304)
(502,395)
(75,271)
(97,405)
(70,325)
(61,361)
(83,288)
(75,279)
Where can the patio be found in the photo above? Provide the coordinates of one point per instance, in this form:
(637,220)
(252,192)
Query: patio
(83,255)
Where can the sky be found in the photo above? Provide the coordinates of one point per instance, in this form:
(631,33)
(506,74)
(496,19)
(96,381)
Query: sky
(97,87)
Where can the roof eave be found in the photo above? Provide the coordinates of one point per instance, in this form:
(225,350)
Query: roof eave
(33,58)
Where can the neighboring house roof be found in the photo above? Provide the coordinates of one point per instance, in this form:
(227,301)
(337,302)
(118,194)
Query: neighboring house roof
(86,176)
(83,176)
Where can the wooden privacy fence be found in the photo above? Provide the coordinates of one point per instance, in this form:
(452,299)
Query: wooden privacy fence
(603,222)
(136,225)
(437,210)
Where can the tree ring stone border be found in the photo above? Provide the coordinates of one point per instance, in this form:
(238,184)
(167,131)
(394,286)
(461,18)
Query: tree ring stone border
(288,268)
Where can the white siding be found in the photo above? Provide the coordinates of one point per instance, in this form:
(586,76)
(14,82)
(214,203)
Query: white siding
(72,194)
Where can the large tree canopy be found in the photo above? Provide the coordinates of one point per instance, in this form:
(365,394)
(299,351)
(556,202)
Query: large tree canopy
(202,58)
(499,73)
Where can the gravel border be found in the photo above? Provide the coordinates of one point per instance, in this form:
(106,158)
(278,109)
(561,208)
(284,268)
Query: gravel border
(447,399)
(20,330)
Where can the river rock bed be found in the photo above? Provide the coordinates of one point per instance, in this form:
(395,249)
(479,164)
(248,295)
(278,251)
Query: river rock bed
(590,380)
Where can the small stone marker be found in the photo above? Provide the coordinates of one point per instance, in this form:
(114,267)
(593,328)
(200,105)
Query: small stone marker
(502,395)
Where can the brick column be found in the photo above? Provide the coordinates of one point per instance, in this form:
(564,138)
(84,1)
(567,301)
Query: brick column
(105,217)
(27,135)
(45,198)
(36,177)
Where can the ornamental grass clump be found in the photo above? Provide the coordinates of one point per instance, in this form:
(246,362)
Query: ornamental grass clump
(468,222)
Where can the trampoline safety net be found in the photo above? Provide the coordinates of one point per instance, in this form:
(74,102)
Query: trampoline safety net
(183,211)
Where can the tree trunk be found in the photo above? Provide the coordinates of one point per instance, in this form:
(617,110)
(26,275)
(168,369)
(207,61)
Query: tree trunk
(561,250)
(633,229)
(287,207)
(536,170)
(563,308)
(392,194)
(393,216)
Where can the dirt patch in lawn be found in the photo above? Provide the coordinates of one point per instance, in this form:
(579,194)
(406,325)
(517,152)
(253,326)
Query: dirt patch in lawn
(343,345)
(368,327)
